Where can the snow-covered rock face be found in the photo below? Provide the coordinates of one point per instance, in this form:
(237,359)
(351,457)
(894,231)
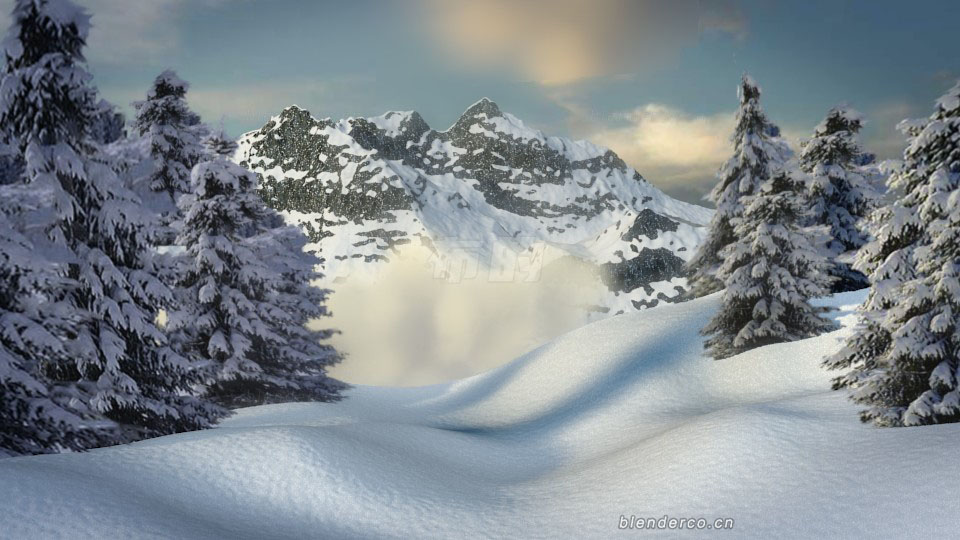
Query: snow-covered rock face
(488,191)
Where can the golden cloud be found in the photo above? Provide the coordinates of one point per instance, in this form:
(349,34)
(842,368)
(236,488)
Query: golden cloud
(556,42)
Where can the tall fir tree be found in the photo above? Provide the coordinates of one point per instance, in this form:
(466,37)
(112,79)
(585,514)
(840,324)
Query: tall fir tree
(903,357)
(769,273)
(119,363)
(32,421)
(245,294)
(842,192)
(297,362)
(758,151)
(174,134)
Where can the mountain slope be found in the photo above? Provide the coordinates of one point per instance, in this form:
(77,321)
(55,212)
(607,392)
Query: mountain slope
(488,189)
(621,417)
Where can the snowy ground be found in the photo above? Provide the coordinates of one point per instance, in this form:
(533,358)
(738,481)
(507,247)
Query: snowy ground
(621,417)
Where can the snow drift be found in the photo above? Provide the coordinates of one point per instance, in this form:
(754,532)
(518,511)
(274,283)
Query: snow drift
(621,417)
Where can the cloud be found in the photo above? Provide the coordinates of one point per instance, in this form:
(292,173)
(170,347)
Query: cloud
(880,133)
(556,42)
(408,329)
(127,31)
(131,30)
(253,102)
(661,136)
(243,104)
(679,152)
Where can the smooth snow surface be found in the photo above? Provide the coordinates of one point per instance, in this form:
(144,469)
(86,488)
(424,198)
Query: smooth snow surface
(624,416)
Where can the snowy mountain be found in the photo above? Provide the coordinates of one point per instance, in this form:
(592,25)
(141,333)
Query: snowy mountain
(488,192)
(623,417)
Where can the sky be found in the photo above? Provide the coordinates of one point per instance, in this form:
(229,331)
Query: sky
(655,81)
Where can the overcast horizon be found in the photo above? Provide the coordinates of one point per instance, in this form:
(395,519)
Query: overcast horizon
(656,83)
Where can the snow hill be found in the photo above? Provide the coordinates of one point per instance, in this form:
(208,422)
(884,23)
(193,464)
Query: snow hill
(489,192)
(621,417)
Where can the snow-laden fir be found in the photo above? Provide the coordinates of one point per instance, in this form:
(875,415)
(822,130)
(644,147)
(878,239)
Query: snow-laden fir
(172,134)
(770,273)
(116,366)
(759,153)
(843,190)
(625,416)
(904,354)
(245,295)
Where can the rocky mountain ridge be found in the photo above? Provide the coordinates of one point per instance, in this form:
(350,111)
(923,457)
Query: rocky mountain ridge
(488,190)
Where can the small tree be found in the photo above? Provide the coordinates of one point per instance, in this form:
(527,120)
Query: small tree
(174,136)
(218,144)
(758,150)
(906,370)
(770,273)
(841,192)
(118,363)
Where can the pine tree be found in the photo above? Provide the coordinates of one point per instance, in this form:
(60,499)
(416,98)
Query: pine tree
(770,273)
(842,192)
(219,144)
(887,261)
(11,164)
(119,364)
(222,284)
(245,291)
(296,364)
(758,150)
(31,420)
(174,135)
(907,372)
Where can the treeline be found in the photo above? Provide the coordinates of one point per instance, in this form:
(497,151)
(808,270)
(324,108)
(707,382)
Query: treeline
(104,233)
(793,227)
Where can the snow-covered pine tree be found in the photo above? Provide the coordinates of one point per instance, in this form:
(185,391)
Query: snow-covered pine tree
(31,422)
(218,143)
(887,261)
(109,125)
(174,135)
(245,295)
(11,163)
(119,363)
(842,192)
(910,374)
(770,273)
(296,364)
(758,150)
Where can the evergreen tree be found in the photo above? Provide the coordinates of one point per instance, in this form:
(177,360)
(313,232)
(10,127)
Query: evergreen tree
(770,273)
(118,362)
(31,421)
(296,364)
(109,125)
(906,372)
(174,135)
(887,261)
(841,192)
(11,164)
(218,144)
(758,150)
(245,296)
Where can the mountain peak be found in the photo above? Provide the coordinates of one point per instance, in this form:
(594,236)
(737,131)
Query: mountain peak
(396,122)
(484,106)
(294,113)
(293,110)
(485,109)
